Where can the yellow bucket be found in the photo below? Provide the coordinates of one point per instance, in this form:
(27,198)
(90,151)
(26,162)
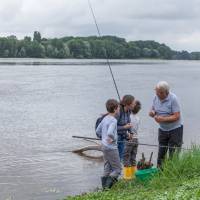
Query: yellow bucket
(134,169)
(129,172)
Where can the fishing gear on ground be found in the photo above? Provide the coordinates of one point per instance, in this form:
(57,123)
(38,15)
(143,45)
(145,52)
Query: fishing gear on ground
(143,164)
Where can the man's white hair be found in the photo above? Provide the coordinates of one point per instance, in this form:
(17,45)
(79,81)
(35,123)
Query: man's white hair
(163,85)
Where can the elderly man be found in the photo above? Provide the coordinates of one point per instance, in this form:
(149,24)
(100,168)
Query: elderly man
(166,112)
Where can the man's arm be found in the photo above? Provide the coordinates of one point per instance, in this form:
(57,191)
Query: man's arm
(152,112)
(175,113)
(172,118)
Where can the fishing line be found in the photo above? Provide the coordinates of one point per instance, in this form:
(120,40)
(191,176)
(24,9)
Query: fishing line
(115,85)
(106,54)
(130,142)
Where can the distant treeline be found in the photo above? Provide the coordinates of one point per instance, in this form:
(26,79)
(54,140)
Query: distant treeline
(88,47)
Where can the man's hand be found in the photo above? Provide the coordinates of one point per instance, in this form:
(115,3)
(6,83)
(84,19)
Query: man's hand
(152,113)
(159,118)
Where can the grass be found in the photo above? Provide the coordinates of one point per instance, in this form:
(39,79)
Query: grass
(179,180)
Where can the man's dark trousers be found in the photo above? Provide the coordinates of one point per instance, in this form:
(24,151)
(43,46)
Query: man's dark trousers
(169,140)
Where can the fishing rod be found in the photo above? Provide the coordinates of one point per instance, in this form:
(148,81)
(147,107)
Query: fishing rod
(130,142)
(106,54)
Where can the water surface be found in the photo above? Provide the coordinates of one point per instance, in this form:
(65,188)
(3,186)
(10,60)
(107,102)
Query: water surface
(44,102)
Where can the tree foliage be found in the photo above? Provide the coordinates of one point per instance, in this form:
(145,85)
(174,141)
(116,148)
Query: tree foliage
(88,47)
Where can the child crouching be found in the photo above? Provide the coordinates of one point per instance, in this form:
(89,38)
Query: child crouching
(107,129)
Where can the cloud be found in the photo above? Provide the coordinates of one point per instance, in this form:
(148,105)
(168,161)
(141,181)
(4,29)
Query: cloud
(174,22)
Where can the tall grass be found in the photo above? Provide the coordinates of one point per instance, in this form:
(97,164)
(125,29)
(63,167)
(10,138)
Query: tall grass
(179,173)
(181,167)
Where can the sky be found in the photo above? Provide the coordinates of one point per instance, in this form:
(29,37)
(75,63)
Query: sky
(173,22)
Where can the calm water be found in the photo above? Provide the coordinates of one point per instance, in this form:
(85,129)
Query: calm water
(42,106)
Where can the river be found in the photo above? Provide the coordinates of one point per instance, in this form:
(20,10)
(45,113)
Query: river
(43,102)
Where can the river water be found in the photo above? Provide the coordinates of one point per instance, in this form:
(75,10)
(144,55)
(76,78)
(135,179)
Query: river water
(44,102)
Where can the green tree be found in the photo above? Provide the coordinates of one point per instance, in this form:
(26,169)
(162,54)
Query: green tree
(12,44)
(50,51)
(98,49)
(27,39)
(37,36)
(155,53)
(22,53)
(6,53)
(146,52)
(132,51)
(35,50)
(165,52)
(88,47)
(79,48)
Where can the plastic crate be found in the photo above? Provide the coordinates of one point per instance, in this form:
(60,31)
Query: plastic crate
(146,174)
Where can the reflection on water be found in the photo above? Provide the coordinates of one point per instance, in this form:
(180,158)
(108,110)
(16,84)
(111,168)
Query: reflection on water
(43,106)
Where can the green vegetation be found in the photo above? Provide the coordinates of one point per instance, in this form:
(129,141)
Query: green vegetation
(88,47)
(179,180)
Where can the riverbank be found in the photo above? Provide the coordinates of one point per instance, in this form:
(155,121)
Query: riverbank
(82,62)
(180,179)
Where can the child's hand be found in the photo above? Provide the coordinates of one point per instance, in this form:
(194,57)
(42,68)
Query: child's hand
(127,126)
(109,140)
(130,136)
(134,135)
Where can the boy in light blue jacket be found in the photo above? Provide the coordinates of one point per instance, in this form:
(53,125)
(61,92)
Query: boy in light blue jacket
(107,129)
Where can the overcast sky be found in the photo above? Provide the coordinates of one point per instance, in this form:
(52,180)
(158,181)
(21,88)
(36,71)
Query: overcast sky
(173,22)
